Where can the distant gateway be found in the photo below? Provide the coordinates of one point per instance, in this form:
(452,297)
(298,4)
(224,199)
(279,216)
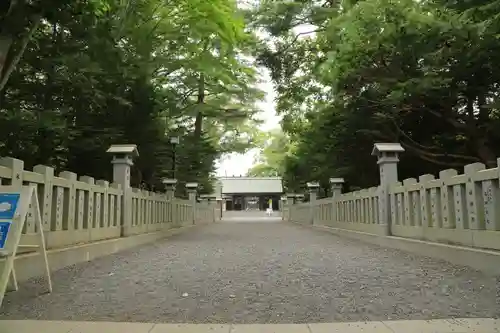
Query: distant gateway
(249,193)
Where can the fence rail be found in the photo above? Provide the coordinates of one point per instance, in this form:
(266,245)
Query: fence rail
(460,209)
(457,209)
(78,210)
(358,210)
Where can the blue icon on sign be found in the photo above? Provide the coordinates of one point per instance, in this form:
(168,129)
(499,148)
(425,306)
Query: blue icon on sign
(8,205)
(4,231)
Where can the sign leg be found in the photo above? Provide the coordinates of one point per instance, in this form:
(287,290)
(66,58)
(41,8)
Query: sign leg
(4,278)
(12,286)
(41,241)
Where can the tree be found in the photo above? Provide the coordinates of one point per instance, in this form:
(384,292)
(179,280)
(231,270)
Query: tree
(19,20)
(420,73)
(102,72)
(274,147)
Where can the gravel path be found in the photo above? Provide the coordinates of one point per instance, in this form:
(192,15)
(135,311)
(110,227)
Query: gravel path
(259,272)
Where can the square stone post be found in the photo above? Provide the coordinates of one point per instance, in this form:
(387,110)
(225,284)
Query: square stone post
(209,200)
(388,159)
(290,201)
(170,184)
(213,203)
(283,205)
(123,156)
(192,190)
(169,187)
(313,188)
(219,206)
(224,202)
(336,186)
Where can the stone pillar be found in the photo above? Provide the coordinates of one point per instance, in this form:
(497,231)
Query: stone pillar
(387,154)
(218,189)
(336,186)
(192,190)
(283,204)
(313,189)
(169,187)
(123,156)
(224,202)
(299,198)
(290,201)
(219,206)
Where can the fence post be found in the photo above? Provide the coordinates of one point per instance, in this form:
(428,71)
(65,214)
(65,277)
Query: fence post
(284,206)
(45,198)
(219,200)
(387,154)
(313,188)
(336,186)
(191,190)
(123,156)
(290,201)
(212,205)
(218,209)
(170,184)
(169,187)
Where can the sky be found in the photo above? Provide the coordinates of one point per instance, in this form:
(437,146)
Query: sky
(239,164)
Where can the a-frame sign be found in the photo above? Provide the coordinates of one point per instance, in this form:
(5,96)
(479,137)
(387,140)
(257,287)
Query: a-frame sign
(15,205)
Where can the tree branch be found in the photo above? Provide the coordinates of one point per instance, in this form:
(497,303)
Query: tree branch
(12,63)
(295,39)
(433,160)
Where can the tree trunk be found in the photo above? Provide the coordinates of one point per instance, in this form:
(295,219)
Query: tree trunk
(46,143)
(485,153)
(198,124)
(5,46)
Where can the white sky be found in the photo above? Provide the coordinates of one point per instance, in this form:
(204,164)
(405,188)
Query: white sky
(239,164)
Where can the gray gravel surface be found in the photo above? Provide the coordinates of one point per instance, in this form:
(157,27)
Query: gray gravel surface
(258,272)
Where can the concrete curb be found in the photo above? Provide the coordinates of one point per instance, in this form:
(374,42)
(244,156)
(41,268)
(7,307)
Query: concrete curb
(483,325)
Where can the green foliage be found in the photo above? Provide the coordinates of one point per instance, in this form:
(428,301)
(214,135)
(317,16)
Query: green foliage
(421,73)
(78,76)
(274,148)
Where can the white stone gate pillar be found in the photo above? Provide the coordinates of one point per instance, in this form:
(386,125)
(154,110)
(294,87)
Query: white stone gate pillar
(192,190)
(387,154)
(123,156)
(313,188)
